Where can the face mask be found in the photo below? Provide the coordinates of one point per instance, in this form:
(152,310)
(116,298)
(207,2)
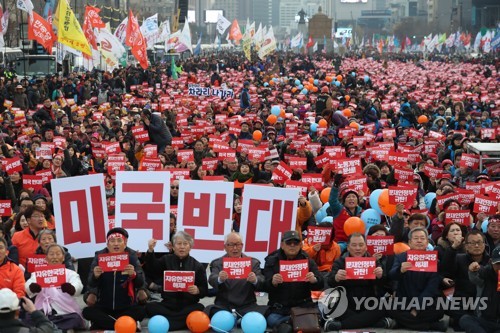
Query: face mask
(492,106)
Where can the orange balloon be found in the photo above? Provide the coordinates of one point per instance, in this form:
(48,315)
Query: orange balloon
(283,114)
(354,125)
(271,119)
(347,98)
(322,123)
(315,89)
(198,322)
(354,224)
(328,79)
(385,206)
(311,80)
(422,119)
(339,77)
(400,247)
(271,82)
(257,135)
(325,194)
(125,324)
(347,113)
(294,90)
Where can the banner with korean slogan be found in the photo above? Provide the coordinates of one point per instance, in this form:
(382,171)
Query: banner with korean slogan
(266,214)
(422,261)
(80,213)
(294,270)
(143,206)
(50,275)
(177,280)
(380,244)
(237,268)
(362,268)
(113,262)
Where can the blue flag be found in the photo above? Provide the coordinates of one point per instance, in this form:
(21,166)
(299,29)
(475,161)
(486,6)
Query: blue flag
(197,49)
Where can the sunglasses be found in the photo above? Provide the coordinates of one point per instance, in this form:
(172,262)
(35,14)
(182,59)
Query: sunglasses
(173,187)
(292,242)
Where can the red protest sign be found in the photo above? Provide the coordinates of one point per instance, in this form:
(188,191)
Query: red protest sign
(185,155)
(484,204)
(5,208)
(469,161)
(319,235)
(397,158)
(46,175)
(294,270)
(465,196)
(403,174)
(297,184)
(150,164)
(357,183)
(177,280)
(36,260)
(50,275)
(380,244)
(178,174)
(151,151)
(314,179)
(474,187)
(12,165)
(457,216)
(33,181)
(441,199)
(488,133)
(113,262)
(432,172)
(142,136)
(402,194)
(347,166)
(362,268)
(237,268)
(44,153)
(422,261)
(283,171)
(298,163)
(322,160)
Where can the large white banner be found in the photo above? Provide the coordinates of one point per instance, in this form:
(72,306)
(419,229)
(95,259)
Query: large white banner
(205,211)
(222,24)
(143,207)
(80,213)
(266,214)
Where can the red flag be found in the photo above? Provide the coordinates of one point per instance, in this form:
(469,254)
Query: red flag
(41,31)
(92,13)
(88,31)
(235,32)
(310,42)
(135,40)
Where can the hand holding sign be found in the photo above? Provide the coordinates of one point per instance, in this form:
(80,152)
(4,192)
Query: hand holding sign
(341,275)
(277,279)
(405,267)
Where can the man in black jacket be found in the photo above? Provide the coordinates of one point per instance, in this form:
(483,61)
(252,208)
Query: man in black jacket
(45,116)
(486,279)
(159,134)
(9,314)
(285,295)
(112,294)
(177,305)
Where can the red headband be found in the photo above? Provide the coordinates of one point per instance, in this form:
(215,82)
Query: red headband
(116,235)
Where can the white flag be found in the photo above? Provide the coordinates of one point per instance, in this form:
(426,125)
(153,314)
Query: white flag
(25,5)
(150,30)
(433,43)
(296,40)
(186,37)
(315,47)
(487,42)
(121,30)
(477,42)
(222,24)
(164,33)
(258,35)
(110,44)
(5,22)
(269,44)
(450,40)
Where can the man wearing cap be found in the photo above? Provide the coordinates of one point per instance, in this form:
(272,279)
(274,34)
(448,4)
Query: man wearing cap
(285,295)
(20,99)
(45,116)
(235,293)
(245,96)
(112,294)
(9,315)
(324,101)
(486,278)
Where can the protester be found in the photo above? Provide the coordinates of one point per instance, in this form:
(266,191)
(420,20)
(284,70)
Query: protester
(11,276)
(26,240)
(235,293)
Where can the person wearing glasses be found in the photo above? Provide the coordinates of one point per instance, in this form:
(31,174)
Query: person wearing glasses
(26,240)
(236,293)
(285,295)
(456,264)
(177,305)
(174,193)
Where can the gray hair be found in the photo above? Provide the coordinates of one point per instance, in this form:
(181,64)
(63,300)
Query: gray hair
(412,231)
(185,236)
(46,232)
(232,233)
(59,246)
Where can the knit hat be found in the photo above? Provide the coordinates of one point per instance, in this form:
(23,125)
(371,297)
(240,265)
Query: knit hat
(346,192)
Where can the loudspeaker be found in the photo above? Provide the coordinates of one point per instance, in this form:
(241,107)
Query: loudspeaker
(183,6)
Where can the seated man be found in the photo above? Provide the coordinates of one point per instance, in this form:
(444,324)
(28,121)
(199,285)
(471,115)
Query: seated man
(353,317)
(486,279)
(177,305)
(415,286)
(285,295)
(111,294)
(237,294)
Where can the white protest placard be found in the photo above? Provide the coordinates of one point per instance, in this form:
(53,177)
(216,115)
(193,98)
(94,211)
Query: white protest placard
(267,213)
(143,207)
(80,213)
(205,211)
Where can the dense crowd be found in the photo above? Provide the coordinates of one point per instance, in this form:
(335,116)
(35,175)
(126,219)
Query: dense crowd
(394,115)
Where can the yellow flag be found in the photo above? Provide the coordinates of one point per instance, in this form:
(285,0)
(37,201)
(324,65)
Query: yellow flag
(69,31)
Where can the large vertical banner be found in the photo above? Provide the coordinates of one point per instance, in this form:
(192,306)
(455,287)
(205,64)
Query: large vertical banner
(205,212)
(80,213)
(266,214)
(143,207)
